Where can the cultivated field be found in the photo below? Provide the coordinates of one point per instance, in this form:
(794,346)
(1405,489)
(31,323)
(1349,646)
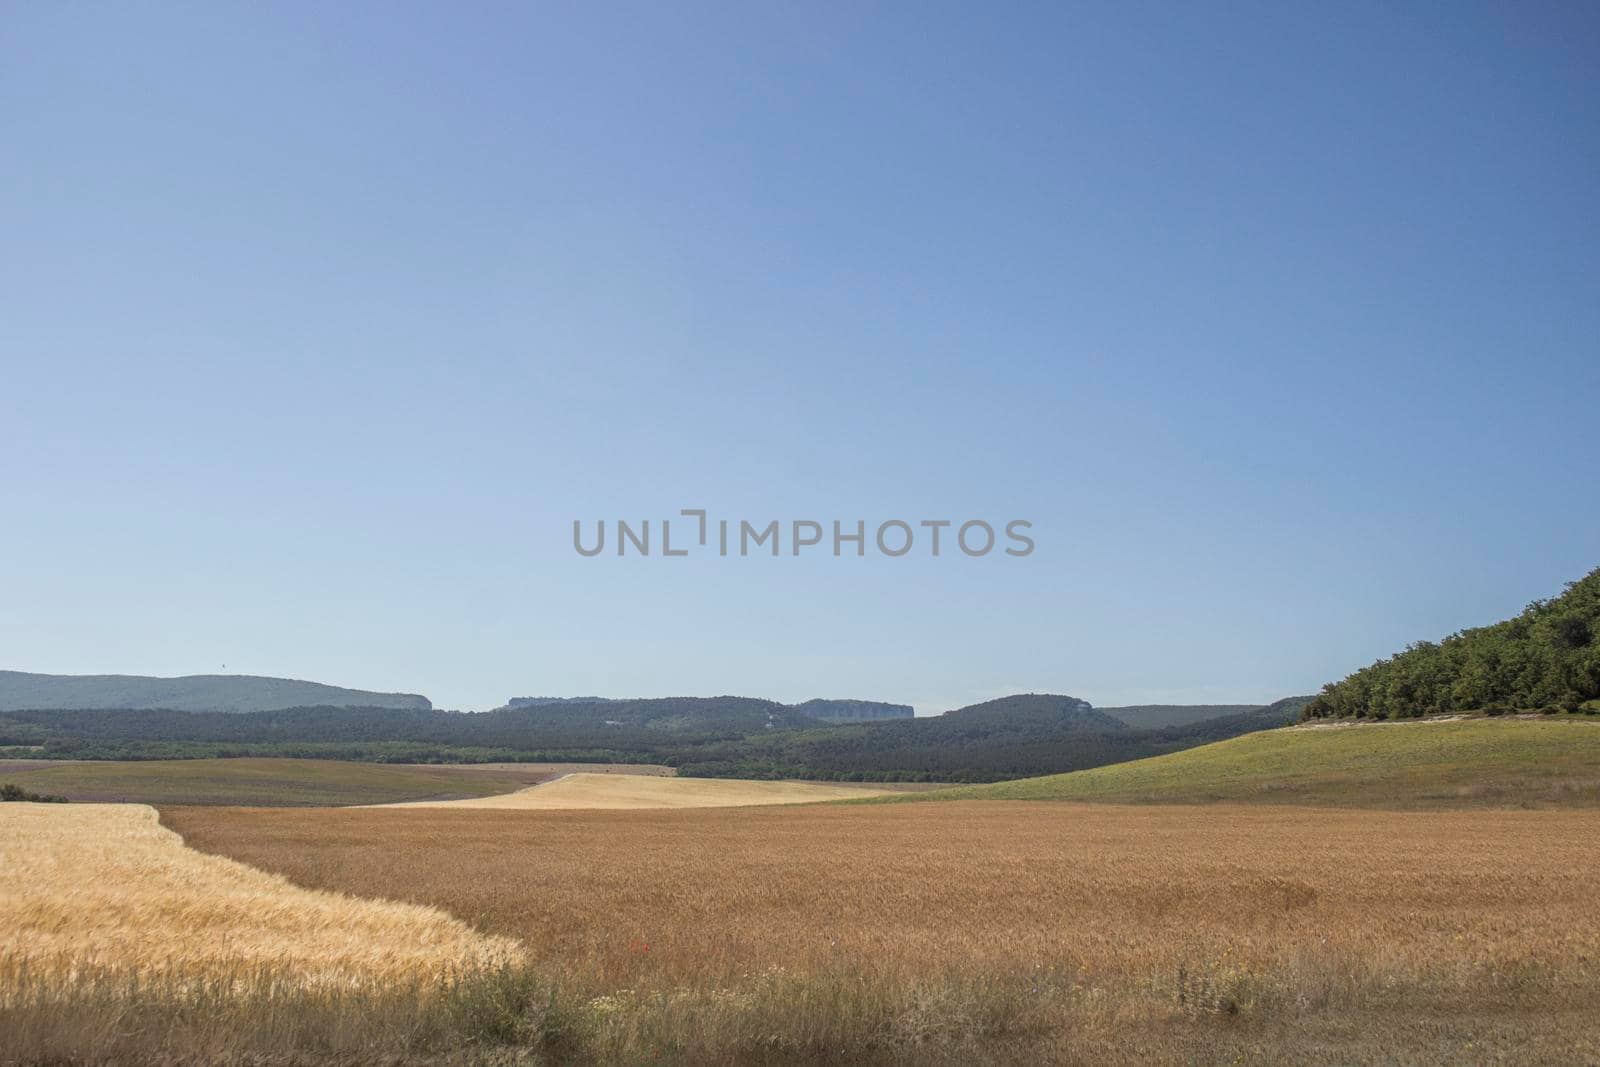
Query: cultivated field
(630,792)
(120,945)
(1530,763)
(599,930)
(1075,933)
(282,782)
(105,888)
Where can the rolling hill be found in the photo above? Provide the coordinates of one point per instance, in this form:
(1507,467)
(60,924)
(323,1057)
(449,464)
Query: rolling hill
(1012,737)
(1158,716)
(20,691)
(1492,762)
(846,710)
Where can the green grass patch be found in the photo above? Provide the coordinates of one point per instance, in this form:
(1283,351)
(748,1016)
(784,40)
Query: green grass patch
(1553,762)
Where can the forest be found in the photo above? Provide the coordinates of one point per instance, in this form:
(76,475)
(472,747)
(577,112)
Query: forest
(741,737)
(1546,659)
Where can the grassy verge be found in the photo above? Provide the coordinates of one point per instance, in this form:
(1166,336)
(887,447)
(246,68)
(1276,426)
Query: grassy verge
(1198,1011)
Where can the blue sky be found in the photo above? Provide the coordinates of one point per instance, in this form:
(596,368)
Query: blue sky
(319,325)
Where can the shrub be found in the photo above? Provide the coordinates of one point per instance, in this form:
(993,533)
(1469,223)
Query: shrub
(10,791)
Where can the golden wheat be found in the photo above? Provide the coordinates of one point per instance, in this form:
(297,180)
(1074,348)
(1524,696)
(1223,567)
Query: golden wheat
(633,792)
(998,931)
(105,889)
(950,933)
(1216,905)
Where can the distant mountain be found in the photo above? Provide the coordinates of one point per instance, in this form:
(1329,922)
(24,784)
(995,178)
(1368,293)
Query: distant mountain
(1041,709)
(841,711)
(534,702)
(1546,659)
(684,715)
(197,692)
(1283,712)
(828,711)
(1160,716)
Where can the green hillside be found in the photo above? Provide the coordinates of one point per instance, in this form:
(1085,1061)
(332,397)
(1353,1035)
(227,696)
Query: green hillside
(1467,762)
(1547,658)
(1162,716)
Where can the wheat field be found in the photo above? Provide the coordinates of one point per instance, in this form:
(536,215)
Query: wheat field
(959,932)
(637,792)
(106,889)
(1036,931)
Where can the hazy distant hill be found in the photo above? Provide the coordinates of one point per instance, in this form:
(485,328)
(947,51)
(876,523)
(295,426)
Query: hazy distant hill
(828,711)
(196,692)
(601,721)
(1160,716)
(1028,709)
(534,702)
(837,711)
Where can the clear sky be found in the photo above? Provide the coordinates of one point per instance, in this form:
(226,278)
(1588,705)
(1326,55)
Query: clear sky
(321,323)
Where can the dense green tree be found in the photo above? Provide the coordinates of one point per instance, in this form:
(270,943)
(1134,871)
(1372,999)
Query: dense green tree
(1545,658)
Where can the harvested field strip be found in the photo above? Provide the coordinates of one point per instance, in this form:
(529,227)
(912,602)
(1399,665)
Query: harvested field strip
(633,792)
(105,889)
(555,770)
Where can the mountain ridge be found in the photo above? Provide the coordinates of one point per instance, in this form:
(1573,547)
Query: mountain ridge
(25,691)
(824,710)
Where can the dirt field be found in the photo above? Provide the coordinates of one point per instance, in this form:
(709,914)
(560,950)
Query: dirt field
(631,792)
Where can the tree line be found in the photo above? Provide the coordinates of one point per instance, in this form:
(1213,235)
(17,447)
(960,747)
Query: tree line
(1546,659)
(709,737)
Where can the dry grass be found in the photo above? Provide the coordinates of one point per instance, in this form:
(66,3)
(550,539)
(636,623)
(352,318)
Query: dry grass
(104,889)
(632,792)
(1075,933)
